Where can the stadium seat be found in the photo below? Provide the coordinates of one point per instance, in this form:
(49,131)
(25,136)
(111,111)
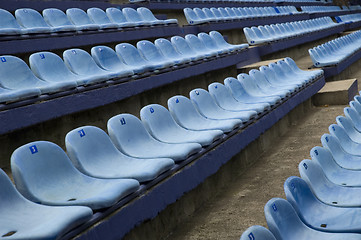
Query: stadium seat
(327,191)
(257,233)
(132,57)
(278,81)
(7,95)
(354,117)
(186,115)
(198,46)
(202,15)
(167,49)
(313,74)
(192,17)
(98,16)
(283,71)
(160,124)
(81,20)
(94,154)
(318,215)
(181,45)
(211,44)
(133,16)
(221,43)
(148,16)
(225,100)
(206,106)
(23,219)
(81,63)
(9,25)
(58,19)
(20,77)
(284,223)
(130,136)
(109,60)
(33,21)
(151,53)
(61,183)
(50,67)
(356,106)
(116,16)
(344,159)
(334,172)
(347,144)
(349,128)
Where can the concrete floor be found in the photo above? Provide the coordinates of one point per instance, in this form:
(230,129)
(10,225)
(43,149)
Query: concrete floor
(241,203)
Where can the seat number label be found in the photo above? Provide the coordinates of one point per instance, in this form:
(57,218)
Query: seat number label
(33,149)
(81,133)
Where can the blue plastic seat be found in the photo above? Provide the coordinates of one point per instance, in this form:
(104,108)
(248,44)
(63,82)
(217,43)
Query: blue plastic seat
(283,73)
(210,15)
(257,233)
(116,16)
(98,16)
(148,16)
(225,100)
(20,77)
(132,57)
(61,183)
(50,67)
(109,60)
(202,15)
(94,154)
(254,36)
(354,116)
(33,21)
(160,124)
(277,81)
(9,25)
(218,38)
(186,115)
(133,16)
(167,49)
(81,20)
(211,44)
(318,215)
(151,53)
(334,172)
(285,224)
(349,128)
(292,64)
(181,45)
(81,63)
(206,106)
(23,219)
(219,15)
(346,142)
(58,19)
(198,46)
(327,191)
(193,18)
(130,136)
(7,95)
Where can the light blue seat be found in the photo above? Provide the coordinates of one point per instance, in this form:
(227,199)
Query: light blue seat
(327,191)
(23,219)
(219,15)
(81,63)
(283,73)
(211,44)
(354,116)
(7,95)
(132,57)
(148,16)
(50,67)
(9,25)
(225,100)
(58,19)
(94,154)
(109,60)
(344,159)
(81,20)
(130,136)
(277,81)
(186,115)
(183,48)
(349,128)
(198,46)
(218,38)
(133,16)
(334,172)
(241,95)
(318,215)
(347,144)
(285,224)
(20,77)
(160,124)
(356,105)
(116,16)
(210,15)
(192,17)
(206,106)
(167,49)
(201,14)
(98,16)
(292,64)
(257,233)
(32,21)
(62,184)
(151,53)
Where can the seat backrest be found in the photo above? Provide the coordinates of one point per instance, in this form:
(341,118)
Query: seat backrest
(190,15)
(17,72)
(218,38)
(346,124)
(50,67)
(220,92)
(217,13)
(248,83)
(78,17)
(131,15)
(89,147)
(356,106)
(166,47)
(325,159)
(352,114)
(116,15)
(146,14)
(207,41)
(182,46)
(130,54)
(10,196)
(269,74)
(235,87)
(181,108)
(149,51)
(200,13)
(7,20)
(195,43)
(56,18)
(29,18)
(203,100)
(38,166)
(257,233)
(342,136)
(107,58)
(98,15)
(209,13)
